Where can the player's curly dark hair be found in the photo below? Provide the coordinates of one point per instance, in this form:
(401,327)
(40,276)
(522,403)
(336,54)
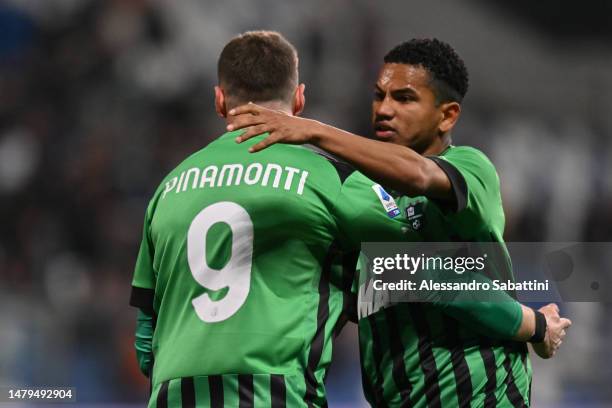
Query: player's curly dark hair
(449,76)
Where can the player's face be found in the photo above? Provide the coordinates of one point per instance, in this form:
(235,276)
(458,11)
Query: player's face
(404,109)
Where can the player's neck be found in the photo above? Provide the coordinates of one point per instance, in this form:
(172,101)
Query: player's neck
(438,145)
(274,105)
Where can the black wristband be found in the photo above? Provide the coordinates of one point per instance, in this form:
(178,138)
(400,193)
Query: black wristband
(540,328)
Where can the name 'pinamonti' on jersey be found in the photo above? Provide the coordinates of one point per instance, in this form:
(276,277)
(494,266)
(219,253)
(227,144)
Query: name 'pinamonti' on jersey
(266,175)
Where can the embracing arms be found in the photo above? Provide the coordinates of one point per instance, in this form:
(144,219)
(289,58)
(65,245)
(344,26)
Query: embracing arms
(397,167)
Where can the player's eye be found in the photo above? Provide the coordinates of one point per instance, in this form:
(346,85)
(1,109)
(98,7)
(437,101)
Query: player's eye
(378,96)
(403,98)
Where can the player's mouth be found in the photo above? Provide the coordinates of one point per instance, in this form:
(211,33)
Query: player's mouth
(384,131)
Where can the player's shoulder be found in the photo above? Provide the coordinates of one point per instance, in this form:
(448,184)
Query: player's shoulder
(467,153)
(342,169)
(468,159)
(194,159)
(223,150)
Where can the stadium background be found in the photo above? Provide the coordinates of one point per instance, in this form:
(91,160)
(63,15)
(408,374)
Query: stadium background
(99,99)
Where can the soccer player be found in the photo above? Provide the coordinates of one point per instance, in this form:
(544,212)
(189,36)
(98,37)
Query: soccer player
(239,275)
(418,354)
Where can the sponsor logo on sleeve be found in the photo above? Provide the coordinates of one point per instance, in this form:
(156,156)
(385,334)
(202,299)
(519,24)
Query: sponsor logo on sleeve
(387,201)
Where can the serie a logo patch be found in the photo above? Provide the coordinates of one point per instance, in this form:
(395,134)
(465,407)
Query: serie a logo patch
(387,201)
(415,215)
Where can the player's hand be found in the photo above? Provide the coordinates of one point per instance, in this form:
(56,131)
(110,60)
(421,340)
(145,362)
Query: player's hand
(555,331)
(283,128)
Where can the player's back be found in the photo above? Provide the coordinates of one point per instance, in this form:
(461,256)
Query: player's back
(238,245)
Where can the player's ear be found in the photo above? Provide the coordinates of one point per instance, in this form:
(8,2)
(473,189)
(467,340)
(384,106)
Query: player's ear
(220,102)
(299,100)
(450,112)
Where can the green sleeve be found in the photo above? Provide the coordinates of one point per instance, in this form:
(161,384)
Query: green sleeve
(143,343)
(477,190)
(144,280)
(143,289)
(363,216)
(144,276)
(479,210)
(493,314)
(500,320)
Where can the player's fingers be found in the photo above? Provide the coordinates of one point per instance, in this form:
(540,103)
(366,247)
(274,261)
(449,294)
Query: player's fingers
(240,122)
(268,141)
(247,108)
(554,307)
(565,323)
(252,132)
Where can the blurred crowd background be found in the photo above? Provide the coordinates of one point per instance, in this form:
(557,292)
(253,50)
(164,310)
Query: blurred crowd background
(100,99)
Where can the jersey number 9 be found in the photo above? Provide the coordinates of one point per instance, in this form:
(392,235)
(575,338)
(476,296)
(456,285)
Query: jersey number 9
(235,275)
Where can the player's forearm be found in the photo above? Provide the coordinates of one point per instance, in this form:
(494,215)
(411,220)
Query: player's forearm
(497,319)
(501,320)
(391,165)
(144,341)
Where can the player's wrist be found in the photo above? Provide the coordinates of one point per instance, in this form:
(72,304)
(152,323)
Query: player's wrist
(540,328)
(317,133)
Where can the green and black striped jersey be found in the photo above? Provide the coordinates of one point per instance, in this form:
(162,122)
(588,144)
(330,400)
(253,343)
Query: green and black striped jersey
(241,262)
(418,354)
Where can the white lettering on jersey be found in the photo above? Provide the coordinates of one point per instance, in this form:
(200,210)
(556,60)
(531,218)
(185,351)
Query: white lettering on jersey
(277,176)
(208,176)
(250,179)
(234,174)
(370,301)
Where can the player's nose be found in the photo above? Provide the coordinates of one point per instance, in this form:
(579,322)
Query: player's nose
(384,108)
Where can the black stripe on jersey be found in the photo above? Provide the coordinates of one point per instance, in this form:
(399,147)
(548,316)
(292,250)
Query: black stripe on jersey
(142,298)
(512,391)
(397,354)
(278,391)
(162,395)
(524,353)
(488,359)
(349,305)
(342,319)
(378,389)
(349,300)
(463,380)
(245,391)
(344,282)
(457,181)
(428,362)
(343,169)
(316,346)
(215,387)
(349,263)
(187,392)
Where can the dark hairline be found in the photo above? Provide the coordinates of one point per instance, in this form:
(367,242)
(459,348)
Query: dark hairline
(435,84)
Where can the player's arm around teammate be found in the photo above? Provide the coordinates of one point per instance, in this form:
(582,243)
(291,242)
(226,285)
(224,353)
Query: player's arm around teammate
(392,165)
